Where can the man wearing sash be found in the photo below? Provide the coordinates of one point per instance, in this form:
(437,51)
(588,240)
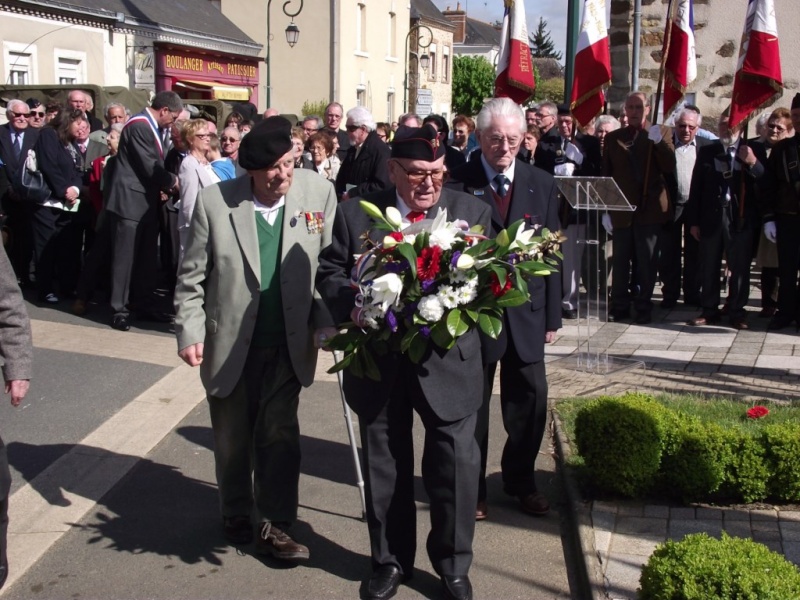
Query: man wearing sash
(132,208)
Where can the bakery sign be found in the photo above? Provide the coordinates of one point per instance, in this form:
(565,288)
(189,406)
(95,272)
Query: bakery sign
(212,67)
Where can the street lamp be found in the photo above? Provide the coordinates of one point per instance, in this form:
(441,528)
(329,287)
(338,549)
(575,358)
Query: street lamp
(292,35)
(422,61)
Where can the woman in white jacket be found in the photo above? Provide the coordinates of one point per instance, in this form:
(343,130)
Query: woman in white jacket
(195,174)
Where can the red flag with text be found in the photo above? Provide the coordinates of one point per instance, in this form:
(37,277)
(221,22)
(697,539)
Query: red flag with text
(515,67)
(681,61)
(758,78)
(592,64)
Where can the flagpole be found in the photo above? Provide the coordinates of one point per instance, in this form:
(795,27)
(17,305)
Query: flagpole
(664,53)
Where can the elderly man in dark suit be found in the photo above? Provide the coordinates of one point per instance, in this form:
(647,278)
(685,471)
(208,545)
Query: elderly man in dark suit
(16,352)
(247,314)
(515,190)
(364,168)
(724,220)
(132,208)
(642,162)
(444,389)
(16,139)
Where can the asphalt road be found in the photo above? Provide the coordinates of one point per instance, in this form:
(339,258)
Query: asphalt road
(114,493)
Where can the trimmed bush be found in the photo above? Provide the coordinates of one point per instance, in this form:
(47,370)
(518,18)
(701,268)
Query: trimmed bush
(694,466)
(702,568)
(620,440)
(746,473)
(782,445)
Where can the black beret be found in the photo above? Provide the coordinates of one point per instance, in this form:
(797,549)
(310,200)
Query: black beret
(563,110)
(266,143)
(417,143)
(796,101)
(32,102)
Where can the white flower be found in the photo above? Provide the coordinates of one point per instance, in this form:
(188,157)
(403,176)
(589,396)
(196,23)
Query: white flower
(443,234)
(465,261)
(389,242)
(522,239)
(409,238)
(385,291)
(430,309)
(370,316)
(458,276)
(467,293)
(393,216)
(448,296)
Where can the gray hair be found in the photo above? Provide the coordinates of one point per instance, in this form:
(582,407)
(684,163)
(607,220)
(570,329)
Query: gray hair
(111,105)
(501,107)
(552,108)
(645,98)
(361,117)
(690,110)
(316,120)
(406,117)
(12,103)
(761,123)
(607,120)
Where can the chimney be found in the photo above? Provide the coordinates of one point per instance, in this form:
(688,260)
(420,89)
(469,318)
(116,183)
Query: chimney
(458,18)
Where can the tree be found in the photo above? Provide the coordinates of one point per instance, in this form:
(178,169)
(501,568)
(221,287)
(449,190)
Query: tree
(473,82)
(541,44)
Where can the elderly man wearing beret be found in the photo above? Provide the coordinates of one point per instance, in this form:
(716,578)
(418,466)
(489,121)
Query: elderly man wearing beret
(444,388)
(248,316)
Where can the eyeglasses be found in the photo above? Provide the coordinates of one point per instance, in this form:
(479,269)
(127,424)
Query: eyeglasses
(36,114)
(310,129)
(686,126)
(352,128)
(382,136)
(543,115)
(224,139)
(497,141)
(417,177)
(776,127)
(18,115)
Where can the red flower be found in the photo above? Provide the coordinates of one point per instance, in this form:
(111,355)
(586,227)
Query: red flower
(396,236)
(497,290)
(428,263)
(757,412)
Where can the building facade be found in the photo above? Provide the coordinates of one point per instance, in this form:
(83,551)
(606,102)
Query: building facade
(432,35)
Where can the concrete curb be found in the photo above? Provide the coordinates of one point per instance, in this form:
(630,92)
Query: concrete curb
(590,570)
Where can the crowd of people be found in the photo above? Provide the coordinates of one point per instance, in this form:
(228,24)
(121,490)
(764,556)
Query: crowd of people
(257,230)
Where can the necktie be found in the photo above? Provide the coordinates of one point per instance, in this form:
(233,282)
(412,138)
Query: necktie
(501,181)
(18,144)
(415,215)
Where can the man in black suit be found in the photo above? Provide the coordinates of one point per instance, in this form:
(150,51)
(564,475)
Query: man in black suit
(515,190)
(676,232)
(16,139)
(333,119)
(723,219)
(78,100)
(365,167)
(444,389)
(132,208)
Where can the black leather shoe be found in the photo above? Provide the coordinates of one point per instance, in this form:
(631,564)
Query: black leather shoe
(569,313)
(617,316)
(643,318)
(779,322)
(669,303)
(457,588)
(384,583)
(120,323)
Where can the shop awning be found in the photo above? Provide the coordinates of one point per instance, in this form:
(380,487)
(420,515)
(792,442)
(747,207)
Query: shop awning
(221,91)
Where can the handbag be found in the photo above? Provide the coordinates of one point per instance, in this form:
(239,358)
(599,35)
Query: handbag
(32,185)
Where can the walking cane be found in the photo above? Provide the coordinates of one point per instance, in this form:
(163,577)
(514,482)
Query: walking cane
(348,419)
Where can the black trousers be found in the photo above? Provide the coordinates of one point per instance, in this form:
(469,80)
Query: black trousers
(634,245)
(672,237)
(450,463)
(788,227)
(523,402)
(738,249)
(57,246)
(97,264)
(134,266)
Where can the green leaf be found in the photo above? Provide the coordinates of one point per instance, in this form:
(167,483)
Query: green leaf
(408,338)
(371,210)
(441,336)
(417,349)
(490,324)
(513,229)
(503,239)
(407,251)
(471,315)
(456,325)
(511,298)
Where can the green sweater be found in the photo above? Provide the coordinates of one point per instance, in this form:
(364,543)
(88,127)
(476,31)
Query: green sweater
(270,329)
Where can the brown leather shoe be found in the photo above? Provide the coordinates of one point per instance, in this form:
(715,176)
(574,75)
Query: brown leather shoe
(79,307)
(704,320)
(275,542)
(740,324)
(481,511)
(535,504)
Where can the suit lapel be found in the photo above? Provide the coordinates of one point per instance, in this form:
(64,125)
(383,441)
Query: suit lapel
(292,232)
(244,224)
(478,186)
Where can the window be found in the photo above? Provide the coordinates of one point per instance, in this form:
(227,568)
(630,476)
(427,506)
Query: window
(445,64)
(70,66)
(361,29)
(20,63)
(389,106)
(391,50)
(432,65)
(361,96)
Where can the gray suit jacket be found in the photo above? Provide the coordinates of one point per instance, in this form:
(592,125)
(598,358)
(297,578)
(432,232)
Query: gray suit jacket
(452,380)
(16,348)
(216,299)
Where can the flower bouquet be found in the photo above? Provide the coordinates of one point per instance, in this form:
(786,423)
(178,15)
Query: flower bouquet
(433,281)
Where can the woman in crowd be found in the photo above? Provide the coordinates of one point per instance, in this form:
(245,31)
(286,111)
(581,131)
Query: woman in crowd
(323,156)
(452,157)
(779,126)
(603,125)
(384,132)
(298,145)
(58,222)
(195,173)
(529,142)
(96,175)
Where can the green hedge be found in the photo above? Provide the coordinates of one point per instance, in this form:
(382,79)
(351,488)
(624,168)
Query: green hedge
(702,568)
(634,445)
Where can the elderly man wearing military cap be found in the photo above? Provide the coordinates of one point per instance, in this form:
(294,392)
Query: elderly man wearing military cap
(248,316)
(444,389)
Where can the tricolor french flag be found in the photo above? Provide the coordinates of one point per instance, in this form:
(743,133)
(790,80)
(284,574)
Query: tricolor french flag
(515,67)
(592,64)
(681,63)
(758,78)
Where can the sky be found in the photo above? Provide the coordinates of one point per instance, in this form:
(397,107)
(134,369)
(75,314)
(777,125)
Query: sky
(553,11)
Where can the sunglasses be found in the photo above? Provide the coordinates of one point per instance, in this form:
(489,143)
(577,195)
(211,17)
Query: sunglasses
(228,139)
(18,115)
(352,128)
(36,114)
